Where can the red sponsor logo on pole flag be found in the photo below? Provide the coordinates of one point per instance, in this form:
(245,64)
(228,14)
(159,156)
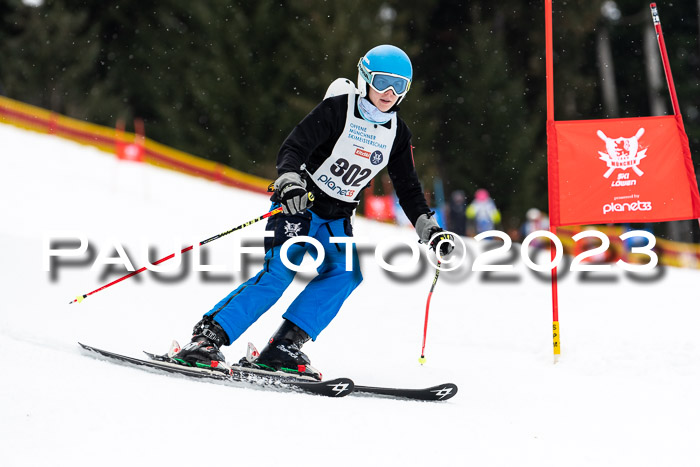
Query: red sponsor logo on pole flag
(620,170)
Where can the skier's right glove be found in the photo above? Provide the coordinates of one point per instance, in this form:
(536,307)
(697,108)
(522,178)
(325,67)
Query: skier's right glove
(432,234)
(292,194)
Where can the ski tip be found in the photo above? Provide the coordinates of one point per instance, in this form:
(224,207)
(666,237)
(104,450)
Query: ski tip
(445,391)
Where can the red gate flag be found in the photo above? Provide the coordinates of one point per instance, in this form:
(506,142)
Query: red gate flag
(620,170)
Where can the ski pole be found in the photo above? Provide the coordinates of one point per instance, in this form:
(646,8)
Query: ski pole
(274,212)
(421,360)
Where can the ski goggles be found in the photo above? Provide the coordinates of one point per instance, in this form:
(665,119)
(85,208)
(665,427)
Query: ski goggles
(382,82)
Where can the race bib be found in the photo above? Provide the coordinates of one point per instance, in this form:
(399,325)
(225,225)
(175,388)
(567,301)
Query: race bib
(359,154)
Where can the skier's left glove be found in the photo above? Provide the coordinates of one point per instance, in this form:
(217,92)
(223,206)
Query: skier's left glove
(432,234)
(448,241)
(292,194)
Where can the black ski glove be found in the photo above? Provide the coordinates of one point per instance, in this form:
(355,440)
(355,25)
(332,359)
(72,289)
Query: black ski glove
(427,227)
(292,194)
(447,239)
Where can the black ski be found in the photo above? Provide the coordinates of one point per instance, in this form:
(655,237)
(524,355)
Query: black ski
(237,376)
(243,376)
(441,392)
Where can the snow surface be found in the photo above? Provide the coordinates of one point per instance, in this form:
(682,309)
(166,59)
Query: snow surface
(624,392)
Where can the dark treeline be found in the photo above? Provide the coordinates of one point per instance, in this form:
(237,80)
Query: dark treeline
(228,80)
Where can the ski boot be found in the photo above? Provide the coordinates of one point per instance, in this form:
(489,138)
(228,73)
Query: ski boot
(203,350)
(283,352)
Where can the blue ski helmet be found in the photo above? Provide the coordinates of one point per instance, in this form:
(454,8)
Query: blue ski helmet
(383,67)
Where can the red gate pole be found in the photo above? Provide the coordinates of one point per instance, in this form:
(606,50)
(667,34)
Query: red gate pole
(667,67)
(550,123)
(664,59)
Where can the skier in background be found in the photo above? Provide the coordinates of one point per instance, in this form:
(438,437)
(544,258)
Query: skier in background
(482,214)
(333,153)
(534,220)
(457,216)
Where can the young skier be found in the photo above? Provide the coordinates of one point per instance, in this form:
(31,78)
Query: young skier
(333,153)
(482,214)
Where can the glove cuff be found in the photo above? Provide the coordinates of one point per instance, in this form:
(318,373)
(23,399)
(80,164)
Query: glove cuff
(425,225)
(289,178)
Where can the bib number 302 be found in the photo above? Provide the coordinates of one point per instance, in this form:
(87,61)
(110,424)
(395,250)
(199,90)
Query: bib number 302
(350,174)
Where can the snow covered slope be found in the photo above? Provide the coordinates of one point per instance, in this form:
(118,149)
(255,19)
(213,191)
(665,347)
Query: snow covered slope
(625,391)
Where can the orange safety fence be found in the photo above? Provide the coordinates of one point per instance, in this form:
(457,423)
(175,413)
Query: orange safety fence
(109,140)
(670,253)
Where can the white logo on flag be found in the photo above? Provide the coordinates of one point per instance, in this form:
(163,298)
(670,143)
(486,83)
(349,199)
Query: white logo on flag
(623,153)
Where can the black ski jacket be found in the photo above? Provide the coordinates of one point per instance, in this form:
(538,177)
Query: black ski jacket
(312,141)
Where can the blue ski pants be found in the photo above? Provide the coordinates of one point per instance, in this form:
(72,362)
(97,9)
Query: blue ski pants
(316,306)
